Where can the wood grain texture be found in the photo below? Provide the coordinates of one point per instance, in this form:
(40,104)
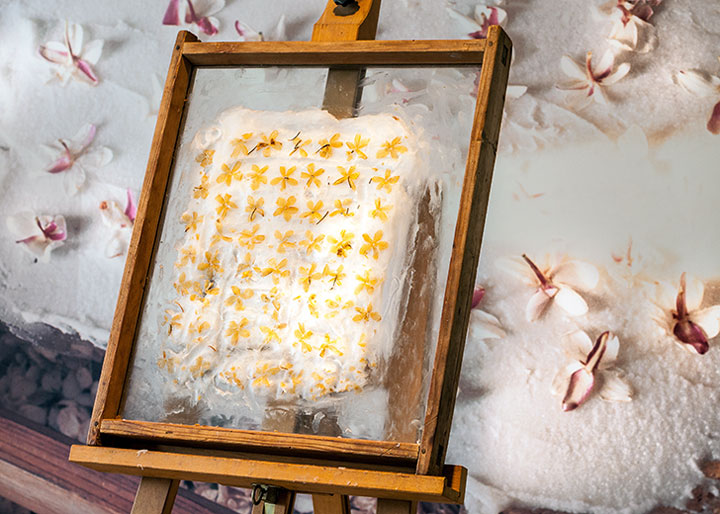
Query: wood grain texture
(155,496)
(35,473)
(386,506)
(140,250)
(227,438)
(336,25)
(331,504)
(295,477)
(466,251)
(341,53)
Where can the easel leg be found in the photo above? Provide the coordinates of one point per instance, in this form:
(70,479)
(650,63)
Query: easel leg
(330,504)
(155,496)
(285,503)
(385,506)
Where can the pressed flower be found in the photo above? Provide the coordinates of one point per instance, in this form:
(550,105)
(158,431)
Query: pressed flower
(373,244)
(300,145)
(237,297)
(219,235)
(205,158)
(302,336)
(71,58)
(692,326)
(311,242)
(194,12)
(251,238)
(348,175)
(167,362)
(239,145)
(392,148)
(554,283)
(199,367)
(276,270)
(228,174)
(366,283)
(366,314)
(387,182)
(268,144)
(308,274)
(355,148)
(120,222)
(342,245)
(211,262)
(330,344)
(285,178)
(39,235)
(483,18)
(312,175)
(284,240)
(271,334)
(630,29)
(77,156)
(183,285)
(237,329)
(245,267)
(327,145)
(380,210)
(342,208)
(703,85)
(335,277)
(286,207)
(589,79)
(257,176)
(191,221)
(589,364)
(172,319)
(314,211)
(225,203)
(187,254)
(201,191)
(255,207)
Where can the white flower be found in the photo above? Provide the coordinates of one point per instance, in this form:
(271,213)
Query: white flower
(39,235)
(247,33)
(702,85)
(483,17)
(120,223)
(630,29)
(71,58)
(590,79)
(194,12)
(554,283)
(681,316)
(588,363)
(483,325)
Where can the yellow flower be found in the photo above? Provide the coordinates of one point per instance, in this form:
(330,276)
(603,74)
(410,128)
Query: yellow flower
(276,270)
(329,344)
(373,244)
(239,146)
(285,178)
(299,145)
(199,368)
(312,175)
(250,238)
(271,298)
(219,236)
(172,320)
(199,326)
(380,210)
(342,207)
(244,269)
(201,191)
(236,299)
(191,221)
(268,143)
(366,282)
(312,243)
(206,158)
(343,245)
(314,211)
(271,333)
(167,362)
(366,315)
(254,207)
(228,174)
(336,277)
(326,146)
(355,148)
(257,176)
(225,204)
(350,175)
(182,285)
(302,336)
(393,148)
(307,275)
(211,262)
(187,254)
(385,182)
(283,240)
(237,330)
(285,207)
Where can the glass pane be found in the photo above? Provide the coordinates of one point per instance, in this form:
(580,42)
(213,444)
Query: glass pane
(301,267)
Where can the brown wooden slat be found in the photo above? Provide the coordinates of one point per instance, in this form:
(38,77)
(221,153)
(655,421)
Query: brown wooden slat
(360,25)
(385,506)
(466,251)
(296,444)
(140,250)
(331,504)
(35,473)
(309,53)
(155,496)
(294,477)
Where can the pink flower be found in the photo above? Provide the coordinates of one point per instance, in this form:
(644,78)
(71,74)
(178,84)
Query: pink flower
(554,282)
(38,234)
(120,223)
(77,155)
(590,79)
(71,58)
(702,85)
(247,33)
(194,12)
(631,30)
(681,316)
(588,363)
(483,18)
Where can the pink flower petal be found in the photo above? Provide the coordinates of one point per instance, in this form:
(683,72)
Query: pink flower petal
(713,124)
(203,22)
(27,239)
(131,208)
(690,333)
(579,388)
(172,14)
(87,70)
(55,56)
(64,163)
(477,296)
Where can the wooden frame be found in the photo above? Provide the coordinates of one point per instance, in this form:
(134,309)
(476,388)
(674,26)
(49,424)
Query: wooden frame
(426,458)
